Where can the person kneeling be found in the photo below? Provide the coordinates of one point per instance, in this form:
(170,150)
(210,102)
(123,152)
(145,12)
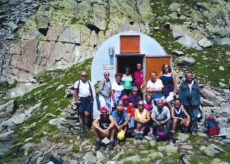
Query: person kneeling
(120,121)
(180,117)
(104,127)
(142,118)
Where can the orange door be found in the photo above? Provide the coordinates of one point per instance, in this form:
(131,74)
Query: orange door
(154,63)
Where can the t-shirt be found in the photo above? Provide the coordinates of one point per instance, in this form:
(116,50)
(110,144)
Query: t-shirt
(160,114)
(134,100)
(117,89)
(157,85)
(190,86)
(148,106)
(120,120)
(127,82)
(84,88)
(139,79)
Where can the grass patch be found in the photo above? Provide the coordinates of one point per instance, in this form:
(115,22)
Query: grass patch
(75,149)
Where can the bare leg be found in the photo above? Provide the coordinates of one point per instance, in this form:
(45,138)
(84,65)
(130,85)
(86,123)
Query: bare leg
(174,125)
(139,126)
(144,127)
(97,133)
(112,133)
(86,117)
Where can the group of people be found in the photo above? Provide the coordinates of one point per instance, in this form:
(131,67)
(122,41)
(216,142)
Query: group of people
(124,111)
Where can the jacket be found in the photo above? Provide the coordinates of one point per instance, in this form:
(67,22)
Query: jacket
(187,98)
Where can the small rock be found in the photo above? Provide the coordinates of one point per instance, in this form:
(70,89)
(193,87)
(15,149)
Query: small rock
(183,137)
(155,155)
(212,149)
(152,143)
(168,149)
(222,84)
(221,68)
(100,156)
(201,134)
(205,43)
(178,53)
(73,162)
(89,158)
(5,136)
(218,161)
(225,107)
(60,86)
(28,2)
(86,142)
(12,26)
(135,158)
(187,147)
(202,148)
(13,2)
(206,102)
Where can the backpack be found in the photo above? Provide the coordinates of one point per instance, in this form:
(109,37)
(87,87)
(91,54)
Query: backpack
(162,133)
(211,126)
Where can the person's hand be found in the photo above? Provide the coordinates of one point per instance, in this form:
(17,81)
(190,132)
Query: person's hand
(78,101)
(120,127)
(162,122)
(158,123)
(187,123)
(174,94)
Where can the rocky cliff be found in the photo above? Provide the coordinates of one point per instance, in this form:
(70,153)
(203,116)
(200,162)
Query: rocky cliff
(45,44)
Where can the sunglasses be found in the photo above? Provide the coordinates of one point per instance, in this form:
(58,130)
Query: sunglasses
(104,112)
(107,74)
(83,75)
(119,111)
(141,104)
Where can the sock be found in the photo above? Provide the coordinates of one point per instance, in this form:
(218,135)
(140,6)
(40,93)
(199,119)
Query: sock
(141,132)
(98,139)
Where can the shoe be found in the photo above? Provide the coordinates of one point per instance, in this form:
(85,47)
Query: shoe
(98,145)
(132,132)
(141,136)
(194,134)
(137,136)
(111,144)
(121,143)
(150,134)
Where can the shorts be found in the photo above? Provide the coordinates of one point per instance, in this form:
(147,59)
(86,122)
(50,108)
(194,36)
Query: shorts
(86,104)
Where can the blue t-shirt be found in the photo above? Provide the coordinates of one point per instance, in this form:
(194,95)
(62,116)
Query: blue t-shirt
(120,120)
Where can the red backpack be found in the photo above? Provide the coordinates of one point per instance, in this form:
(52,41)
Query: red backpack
(211,125)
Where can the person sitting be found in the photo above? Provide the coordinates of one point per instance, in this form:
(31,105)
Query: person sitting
(169,81)
(117,89)
(142,119)
(105,91)
(127,81)
(104,127)
(149,106)
(180,117)
(120,121)
(154,86)
(161,115)
(129,110)
(134,98)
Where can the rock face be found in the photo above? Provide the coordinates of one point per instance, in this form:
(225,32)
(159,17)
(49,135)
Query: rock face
(46,43)
(185,61)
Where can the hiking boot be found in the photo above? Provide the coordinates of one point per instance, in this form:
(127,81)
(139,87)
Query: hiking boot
(141,136)
(137,136)
(121,143)
(132,132)
(98,145)
(111,144)
(194,134)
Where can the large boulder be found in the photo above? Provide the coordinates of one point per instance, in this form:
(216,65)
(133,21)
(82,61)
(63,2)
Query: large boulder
(225,107)
(212,96)
(185,61)
(89,158)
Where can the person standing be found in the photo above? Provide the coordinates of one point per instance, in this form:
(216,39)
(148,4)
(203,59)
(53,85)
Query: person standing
(105,92)
(169,82)
(189,93)
(154,86)
(117,89)
(83,95)
(138,75)
(134,98)
(127,81)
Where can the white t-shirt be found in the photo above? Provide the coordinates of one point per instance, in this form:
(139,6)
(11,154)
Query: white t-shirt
(84,88)
(117,89)
(190,86)
(157,85)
